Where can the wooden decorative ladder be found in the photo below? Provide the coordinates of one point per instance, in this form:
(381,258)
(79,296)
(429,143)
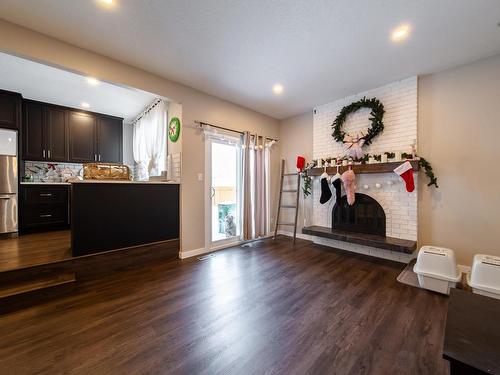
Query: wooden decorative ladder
(280,205)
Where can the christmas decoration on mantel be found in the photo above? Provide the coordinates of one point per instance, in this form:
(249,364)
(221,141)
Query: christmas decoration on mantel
(354,143)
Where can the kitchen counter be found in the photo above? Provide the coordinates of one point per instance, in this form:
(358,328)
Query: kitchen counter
(109,215)
(44,183)
(126,182)
(103,182)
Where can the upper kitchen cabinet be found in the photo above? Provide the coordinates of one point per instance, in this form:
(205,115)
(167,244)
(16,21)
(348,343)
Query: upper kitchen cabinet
(82,129)
(10,109)
(34,147)
(109,139)
(44,132)
(61,134)
(56,133)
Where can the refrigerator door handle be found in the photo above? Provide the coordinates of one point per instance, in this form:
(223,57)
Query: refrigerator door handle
(7,196)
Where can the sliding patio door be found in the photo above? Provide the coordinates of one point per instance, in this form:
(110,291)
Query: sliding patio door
(223,190)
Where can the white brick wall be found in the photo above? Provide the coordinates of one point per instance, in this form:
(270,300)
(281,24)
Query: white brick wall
(400,120)
(400,133)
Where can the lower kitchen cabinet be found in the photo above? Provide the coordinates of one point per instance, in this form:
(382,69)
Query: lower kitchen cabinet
(44,207)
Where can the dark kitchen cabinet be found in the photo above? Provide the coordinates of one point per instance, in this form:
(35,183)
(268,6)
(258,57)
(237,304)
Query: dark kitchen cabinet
(33,132)
(56,133)
(10,109)
(110,136)
(61,134)
(44,132)
(44,207)
(82,137)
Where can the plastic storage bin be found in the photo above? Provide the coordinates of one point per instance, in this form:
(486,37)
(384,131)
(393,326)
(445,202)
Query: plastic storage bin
(484,277)
(436,269)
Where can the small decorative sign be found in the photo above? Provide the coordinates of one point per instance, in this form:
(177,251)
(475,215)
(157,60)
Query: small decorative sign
(174,129)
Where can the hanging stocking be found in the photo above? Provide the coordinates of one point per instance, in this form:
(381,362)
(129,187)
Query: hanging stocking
(326,193)
(405,171)
(337,184)
(348,178)
(301,163)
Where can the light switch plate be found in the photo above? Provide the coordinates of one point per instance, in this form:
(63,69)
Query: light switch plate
(200,176)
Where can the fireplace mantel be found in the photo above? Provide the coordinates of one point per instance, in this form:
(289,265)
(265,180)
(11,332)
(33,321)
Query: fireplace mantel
(364,168)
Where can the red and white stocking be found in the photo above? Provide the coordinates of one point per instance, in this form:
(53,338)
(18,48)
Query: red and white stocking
(405,171)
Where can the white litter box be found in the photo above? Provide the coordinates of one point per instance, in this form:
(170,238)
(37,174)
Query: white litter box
(484,277)
(436,269)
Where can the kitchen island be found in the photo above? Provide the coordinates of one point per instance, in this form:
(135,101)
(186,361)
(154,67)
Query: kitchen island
(111,215)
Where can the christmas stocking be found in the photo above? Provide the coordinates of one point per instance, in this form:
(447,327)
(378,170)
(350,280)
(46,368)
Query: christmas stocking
(337,184)
(405,171)
(348,178)
(326,193)
(301,163)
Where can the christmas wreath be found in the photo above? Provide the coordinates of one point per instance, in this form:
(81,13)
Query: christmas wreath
(376,116)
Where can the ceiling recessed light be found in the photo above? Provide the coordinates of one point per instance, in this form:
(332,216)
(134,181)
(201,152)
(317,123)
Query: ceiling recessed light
(278,88)
(106,3)
(92,81)
(85,105)
(400,33)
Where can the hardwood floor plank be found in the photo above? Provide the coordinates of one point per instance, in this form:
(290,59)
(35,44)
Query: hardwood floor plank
(267,309)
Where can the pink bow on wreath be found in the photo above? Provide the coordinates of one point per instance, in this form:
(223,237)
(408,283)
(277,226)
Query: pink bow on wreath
(353,146)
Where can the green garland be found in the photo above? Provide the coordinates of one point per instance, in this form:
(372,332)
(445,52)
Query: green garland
(376,114)
(306,188)
(428,172)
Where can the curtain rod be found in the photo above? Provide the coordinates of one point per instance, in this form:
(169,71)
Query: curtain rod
(148,108)
(201,123)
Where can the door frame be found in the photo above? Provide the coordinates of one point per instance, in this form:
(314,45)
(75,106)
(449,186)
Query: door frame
(223,138)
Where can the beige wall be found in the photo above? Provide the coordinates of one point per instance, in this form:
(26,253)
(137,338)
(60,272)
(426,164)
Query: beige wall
(296,138)
(459,133)
(195,106)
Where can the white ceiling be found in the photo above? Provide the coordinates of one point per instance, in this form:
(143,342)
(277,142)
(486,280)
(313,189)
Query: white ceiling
(237,49)
(52,85)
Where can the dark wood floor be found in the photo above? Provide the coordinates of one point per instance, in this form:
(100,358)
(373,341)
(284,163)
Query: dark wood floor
(33,249)
(267,309)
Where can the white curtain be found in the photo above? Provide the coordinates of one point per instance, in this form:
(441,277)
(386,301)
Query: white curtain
(150,142)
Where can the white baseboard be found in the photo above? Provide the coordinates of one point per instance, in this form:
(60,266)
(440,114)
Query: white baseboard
(203,250)
(192,253)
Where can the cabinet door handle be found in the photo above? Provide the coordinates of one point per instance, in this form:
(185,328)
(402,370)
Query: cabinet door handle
(5,197)
(45,194)
(44,154)
(99,157)
(95,157)
(45,215)
(48,153)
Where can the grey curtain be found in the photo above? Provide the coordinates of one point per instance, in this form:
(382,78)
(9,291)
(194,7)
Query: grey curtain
(255,199)
(260,173)
(247,189)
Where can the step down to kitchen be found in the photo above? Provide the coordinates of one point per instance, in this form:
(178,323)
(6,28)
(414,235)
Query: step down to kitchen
(290,191)
(27,286)
(288,206)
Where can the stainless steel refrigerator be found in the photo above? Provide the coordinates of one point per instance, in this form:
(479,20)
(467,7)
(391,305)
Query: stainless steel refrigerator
(8,181)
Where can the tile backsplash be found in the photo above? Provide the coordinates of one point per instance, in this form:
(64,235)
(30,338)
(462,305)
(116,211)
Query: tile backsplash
(38,169)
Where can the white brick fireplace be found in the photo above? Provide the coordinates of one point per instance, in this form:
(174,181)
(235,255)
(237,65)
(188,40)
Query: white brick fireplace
(400,134)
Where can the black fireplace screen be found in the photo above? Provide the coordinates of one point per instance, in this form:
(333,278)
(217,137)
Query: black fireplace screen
(366,215)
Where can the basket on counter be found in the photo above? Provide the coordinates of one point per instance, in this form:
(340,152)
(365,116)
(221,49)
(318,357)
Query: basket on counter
(106,171)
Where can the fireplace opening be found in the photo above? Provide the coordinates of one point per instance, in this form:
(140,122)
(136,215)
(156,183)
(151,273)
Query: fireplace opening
(366,215)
